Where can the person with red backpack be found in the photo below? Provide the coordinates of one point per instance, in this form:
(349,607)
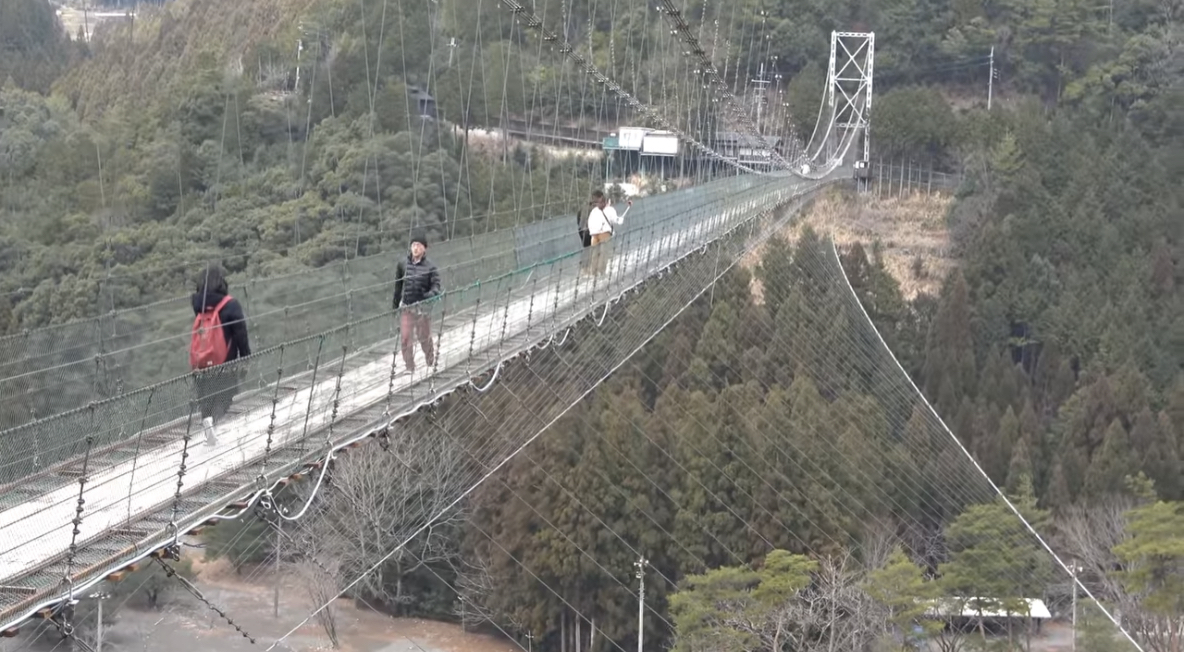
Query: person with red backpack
(219,336)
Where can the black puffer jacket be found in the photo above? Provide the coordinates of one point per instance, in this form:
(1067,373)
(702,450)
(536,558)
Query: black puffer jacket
(234,322)
(415,282)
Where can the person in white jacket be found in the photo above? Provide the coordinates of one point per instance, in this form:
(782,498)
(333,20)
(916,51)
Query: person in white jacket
(600,227)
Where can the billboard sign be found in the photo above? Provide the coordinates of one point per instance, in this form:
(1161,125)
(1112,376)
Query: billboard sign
(660,144)
(631,137)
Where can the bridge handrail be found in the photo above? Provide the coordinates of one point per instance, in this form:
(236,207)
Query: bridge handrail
(715,221)
(98,358)
(39,454)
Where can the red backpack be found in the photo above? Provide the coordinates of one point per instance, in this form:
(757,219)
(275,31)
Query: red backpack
(208,348)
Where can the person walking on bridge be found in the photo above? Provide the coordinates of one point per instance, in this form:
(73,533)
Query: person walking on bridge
(416,281)
(600,227)
(219,336)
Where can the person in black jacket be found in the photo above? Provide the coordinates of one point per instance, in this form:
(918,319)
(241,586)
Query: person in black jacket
(217,386)
(416,280)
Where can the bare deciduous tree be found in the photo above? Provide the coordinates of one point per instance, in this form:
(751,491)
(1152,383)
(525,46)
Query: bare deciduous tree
(834,613)
(950,639)
(377,501)
(1089,535)
(475,582)
(925,544)
(319,578)
(879,540)
(848,613)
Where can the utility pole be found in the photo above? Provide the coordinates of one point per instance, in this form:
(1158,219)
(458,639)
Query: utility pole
(279,575)
(299,49)
(640,564)
(99,597)
(991,80)
(99,627)
(1075,569)
(275,591)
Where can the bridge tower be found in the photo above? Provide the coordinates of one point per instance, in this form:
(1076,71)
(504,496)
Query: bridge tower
(849,91)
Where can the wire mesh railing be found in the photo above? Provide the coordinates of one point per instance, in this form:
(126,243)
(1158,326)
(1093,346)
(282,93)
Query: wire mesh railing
(54,369)
(141,465)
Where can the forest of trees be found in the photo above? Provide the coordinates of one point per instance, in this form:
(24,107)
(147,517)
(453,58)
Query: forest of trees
(707,454)
(1055,351)
(168,141)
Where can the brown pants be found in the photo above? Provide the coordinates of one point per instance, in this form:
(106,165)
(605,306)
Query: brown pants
(418,326)
(601,252)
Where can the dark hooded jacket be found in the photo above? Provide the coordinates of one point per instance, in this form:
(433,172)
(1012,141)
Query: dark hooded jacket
(234,321)
(415,282)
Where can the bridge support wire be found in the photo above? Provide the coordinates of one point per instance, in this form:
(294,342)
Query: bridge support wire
(940,424)
(699,275)
(205,479)
(563,47)
(174,553)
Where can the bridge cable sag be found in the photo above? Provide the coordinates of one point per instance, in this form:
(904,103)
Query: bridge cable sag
(382,559)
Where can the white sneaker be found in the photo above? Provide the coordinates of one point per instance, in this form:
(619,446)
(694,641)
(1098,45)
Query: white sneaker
(207,426)
(399,368)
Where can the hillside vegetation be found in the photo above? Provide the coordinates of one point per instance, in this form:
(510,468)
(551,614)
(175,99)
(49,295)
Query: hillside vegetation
(733,454)
(1053,347)
(907,232)
(174,138)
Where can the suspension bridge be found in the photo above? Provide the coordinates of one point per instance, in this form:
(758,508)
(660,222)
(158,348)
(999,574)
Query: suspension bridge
(89,492)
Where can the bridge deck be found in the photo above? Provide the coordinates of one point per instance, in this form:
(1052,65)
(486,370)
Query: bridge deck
(133,504)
